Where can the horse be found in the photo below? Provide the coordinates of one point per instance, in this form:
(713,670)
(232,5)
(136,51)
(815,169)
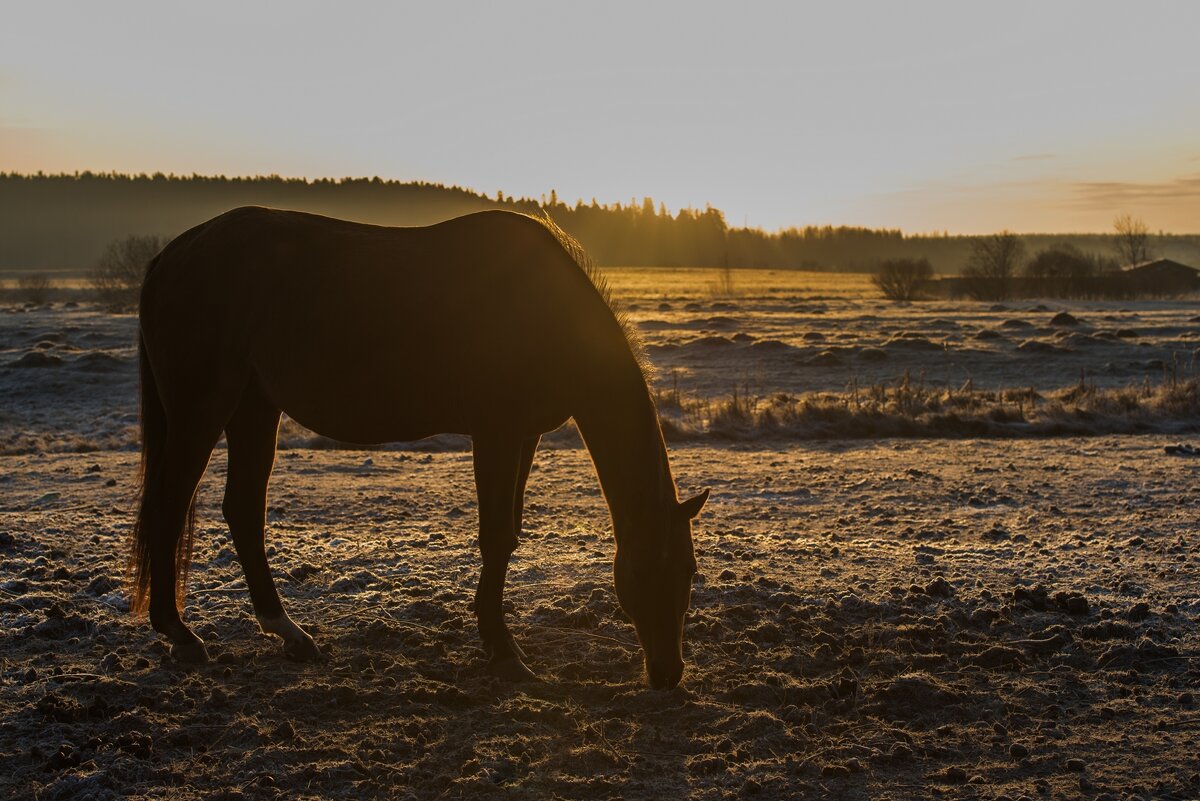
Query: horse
(492,325)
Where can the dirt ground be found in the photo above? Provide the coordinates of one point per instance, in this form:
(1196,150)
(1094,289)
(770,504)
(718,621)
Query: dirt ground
(886,620)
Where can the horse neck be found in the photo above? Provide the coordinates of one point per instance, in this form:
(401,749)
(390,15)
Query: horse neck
(621,430)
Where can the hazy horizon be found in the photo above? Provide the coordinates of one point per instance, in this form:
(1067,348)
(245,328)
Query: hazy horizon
(929,117)
(627,202)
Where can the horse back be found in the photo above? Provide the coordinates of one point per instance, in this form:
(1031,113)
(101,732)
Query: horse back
(443,327)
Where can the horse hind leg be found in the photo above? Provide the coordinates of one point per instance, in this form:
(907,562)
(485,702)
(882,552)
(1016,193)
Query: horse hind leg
(528,449)
(251,435)
(172,475)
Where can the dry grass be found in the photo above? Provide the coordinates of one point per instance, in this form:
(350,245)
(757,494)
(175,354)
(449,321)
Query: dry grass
(908,408)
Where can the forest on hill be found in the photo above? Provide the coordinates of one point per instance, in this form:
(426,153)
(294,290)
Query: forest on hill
(63,222)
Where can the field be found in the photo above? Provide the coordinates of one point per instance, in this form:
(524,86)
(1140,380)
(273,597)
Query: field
(890,604)
(815,351)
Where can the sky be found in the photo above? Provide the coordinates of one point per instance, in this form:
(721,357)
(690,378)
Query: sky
(963,116)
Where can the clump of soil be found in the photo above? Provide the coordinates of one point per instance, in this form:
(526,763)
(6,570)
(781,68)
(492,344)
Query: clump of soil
(1064,319)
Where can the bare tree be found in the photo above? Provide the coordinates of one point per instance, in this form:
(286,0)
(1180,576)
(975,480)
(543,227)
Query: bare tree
(34,288)
(1062,271)
(117,277)
(724,286)
(993,262)
(1132,240)
(902,279)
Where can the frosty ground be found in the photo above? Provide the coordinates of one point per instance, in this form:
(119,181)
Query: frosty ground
(875,618)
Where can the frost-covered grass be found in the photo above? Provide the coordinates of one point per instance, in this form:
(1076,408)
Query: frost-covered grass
(908,408)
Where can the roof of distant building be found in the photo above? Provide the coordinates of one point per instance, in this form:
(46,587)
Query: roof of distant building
(1158,265)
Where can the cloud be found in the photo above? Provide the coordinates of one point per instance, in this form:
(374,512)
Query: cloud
(1045,204)
(1114,194)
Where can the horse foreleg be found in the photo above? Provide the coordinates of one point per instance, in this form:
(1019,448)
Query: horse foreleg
(251,434)
(498,473)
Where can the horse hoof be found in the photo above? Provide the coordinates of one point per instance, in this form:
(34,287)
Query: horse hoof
(512,669)
(507,645)
(302,650)
(192,652)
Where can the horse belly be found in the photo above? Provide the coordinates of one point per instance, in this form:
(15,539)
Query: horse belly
(398,399)
(353,400)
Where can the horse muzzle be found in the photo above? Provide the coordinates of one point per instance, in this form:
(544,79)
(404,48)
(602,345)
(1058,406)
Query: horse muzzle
(665,674)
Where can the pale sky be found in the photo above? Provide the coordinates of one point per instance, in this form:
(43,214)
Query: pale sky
(962,116)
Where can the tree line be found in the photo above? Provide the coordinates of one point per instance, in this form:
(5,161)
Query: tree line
(66,221)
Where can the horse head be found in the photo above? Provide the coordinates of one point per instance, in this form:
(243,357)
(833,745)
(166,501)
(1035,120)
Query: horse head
(653,577)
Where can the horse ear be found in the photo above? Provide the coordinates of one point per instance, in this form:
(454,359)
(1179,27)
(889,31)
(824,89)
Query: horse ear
(692,506)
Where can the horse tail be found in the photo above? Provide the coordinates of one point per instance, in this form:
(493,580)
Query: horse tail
(153,420)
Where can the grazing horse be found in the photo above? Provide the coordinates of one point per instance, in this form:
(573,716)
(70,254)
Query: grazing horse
(490,325)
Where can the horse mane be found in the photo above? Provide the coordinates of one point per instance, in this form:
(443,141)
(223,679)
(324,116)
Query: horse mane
(633,337)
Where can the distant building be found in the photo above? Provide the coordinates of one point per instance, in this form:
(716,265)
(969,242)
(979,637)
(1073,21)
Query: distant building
(1160,277)
(1156,278)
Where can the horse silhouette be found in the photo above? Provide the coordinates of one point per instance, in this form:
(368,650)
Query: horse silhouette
(491,325)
